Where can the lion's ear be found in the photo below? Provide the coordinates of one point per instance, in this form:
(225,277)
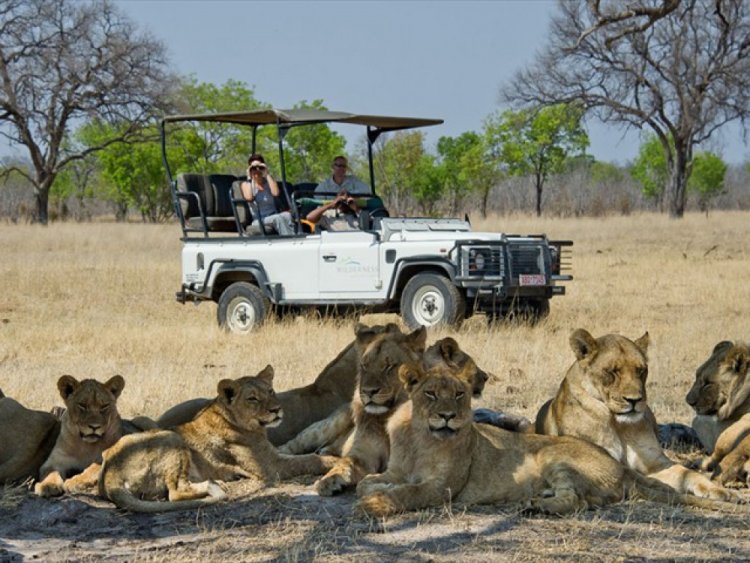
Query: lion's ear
(67,385)
(392,328)
(448,349)
(738,359)
(643,342)
(722,346)
(410,375)
(583,344)
(266,374)
(115,384)
(228,390)
(364,335)
(478,381)
(418,339)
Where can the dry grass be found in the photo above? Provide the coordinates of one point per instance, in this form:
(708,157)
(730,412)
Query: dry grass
(93,300)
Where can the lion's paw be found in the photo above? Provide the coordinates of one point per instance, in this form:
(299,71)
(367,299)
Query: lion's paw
(330,485)
(715,492)
(52,486)
(376,504)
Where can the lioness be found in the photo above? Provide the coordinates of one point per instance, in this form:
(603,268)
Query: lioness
(378,393)
(720,395)
(305,405)
(226,441)
(26,440)
(602,399)
(438,455)
(330,434)
(89,425)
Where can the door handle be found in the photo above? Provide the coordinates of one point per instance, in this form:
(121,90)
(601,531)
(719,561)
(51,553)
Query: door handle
(329,258)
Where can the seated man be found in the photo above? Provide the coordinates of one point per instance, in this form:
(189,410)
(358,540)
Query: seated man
(341,181)
(262,188)
(340,214)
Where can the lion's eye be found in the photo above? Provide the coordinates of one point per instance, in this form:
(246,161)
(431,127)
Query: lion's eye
(642,373)
(104,408)
(459,394)
(430,395)
(82,407)
(253,399)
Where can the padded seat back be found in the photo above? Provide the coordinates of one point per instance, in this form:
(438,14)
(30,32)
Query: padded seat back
(221,188)
(195,183)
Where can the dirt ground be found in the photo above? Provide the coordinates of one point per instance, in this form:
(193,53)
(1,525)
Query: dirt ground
(289,522)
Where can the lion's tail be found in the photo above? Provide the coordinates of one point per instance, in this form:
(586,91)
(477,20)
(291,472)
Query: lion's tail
(123,498)
(640,486)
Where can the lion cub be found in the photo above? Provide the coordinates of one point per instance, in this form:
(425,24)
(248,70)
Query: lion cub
(226,441)
(89,425)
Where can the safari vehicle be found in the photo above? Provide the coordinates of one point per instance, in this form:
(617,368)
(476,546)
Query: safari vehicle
(429,270)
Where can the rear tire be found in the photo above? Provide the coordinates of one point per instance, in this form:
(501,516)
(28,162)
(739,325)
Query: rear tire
(242,308)
(430,299)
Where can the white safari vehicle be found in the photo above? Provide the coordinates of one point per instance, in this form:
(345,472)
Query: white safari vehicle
(430,271)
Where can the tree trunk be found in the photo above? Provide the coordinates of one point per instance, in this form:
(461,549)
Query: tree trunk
(41,197)
(678,183)
(539,187)
(485,197)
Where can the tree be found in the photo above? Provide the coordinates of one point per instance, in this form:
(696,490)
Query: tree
(398,160)
(537,142)
(480,171)
(707,178)
(63,61)
(682,72)
(650,169)
(451,151)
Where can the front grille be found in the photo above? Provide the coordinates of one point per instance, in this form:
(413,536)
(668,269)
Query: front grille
(526,260)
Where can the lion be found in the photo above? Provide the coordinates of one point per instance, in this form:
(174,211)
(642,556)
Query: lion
(438,455)
(226,441)
(26,440)
(378,393)
(602,399)
(88,426)
(330,434)
(305,405)
(720,397)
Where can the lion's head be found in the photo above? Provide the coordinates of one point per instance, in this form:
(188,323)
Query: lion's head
(721,382)
(380,357)
(91,407)
(251,401)
(613,370)
(446,352)
(441,397)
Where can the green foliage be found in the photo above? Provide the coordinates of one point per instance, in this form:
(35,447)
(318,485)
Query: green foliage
(452,151)
(707,177)
(606,173)
(650,169)
(537,142)
(310,149)
(399,160)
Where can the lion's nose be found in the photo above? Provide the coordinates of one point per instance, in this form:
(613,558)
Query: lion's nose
(447,415)
(370,391)
(95,426)
(633,400)
(274,410)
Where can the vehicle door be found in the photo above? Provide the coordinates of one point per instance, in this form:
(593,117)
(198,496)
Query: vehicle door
(349,264)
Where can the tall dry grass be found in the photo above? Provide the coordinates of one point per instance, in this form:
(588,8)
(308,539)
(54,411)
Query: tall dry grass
(93,300)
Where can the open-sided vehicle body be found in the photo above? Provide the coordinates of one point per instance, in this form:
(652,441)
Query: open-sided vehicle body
(429,270)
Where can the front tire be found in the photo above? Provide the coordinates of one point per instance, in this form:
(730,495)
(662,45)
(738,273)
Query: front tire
(242,308)
(430,299)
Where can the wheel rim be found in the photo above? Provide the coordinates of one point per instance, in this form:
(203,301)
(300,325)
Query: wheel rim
(241,317)
(428,306)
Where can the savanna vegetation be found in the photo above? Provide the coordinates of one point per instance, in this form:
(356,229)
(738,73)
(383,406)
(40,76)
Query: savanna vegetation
(96,299)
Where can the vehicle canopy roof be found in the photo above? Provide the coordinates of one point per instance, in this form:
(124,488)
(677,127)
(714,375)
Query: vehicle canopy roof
(274,116)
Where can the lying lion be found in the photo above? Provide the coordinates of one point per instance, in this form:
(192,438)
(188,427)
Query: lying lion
(89,425)
(602,399)
(303,406)
(438,455)
(720,397)
(26,440)
(226,441)
(330,435)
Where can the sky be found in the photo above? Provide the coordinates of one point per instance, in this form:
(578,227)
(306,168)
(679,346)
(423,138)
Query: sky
(437,59)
